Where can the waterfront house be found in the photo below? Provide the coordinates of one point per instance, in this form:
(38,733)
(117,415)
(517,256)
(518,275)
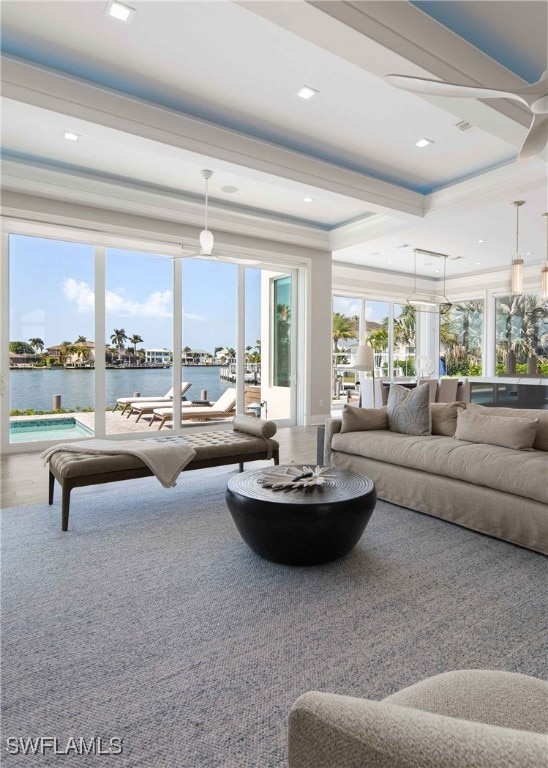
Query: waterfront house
(75,355)
(161,356)
(196,357)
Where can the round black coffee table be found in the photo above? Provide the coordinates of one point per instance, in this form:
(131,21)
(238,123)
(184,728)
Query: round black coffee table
(301,527)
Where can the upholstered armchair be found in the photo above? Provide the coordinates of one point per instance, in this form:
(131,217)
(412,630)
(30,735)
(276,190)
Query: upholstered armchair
(461,719)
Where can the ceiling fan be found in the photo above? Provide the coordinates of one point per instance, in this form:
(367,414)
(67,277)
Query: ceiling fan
(534,96)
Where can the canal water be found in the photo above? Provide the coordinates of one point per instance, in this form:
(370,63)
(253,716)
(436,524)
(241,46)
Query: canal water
(35,387)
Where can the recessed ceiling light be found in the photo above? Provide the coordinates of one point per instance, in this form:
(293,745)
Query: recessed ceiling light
(229,189)
(481,240)
(423,143)
(306,92)
(478,263)
(308,199)
(529,253)
(70,136)
(119,11)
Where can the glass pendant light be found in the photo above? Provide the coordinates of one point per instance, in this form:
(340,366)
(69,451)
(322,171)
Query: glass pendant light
(544,271)
(517,261)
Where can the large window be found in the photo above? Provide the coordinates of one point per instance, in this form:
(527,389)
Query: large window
(282,332)
(404,342)
(51,336)
(90,324)
(138,328)
(521,335)
(461,339)
(387,326)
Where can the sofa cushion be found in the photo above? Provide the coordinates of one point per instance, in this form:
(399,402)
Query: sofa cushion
(496,430)
(443,417)
(360,419)
(521,473)
(408,411)
(541,438)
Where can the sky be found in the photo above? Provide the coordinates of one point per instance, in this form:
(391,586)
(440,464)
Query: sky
(375,311)
(52,296)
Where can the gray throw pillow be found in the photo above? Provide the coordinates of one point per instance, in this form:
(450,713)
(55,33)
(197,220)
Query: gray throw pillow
(408,411)
(360,419)
(496,430)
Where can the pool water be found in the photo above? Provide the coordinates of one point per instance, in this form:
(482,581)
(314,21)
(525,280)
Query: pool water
(47,429)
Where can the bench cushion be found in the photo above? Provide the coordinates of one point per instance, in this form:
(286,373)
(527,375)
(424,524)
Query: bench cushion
(208,446)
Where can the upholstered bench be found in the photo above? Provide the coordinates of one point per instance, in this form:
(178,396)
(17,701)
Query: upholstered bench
(249,440)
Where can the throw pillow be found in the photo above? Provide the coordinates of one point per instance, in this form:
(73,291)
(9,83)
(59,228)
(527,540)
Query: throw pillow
(253,426)
(541,440)
(408,411)
(360,419)
(496,430)
(444,417)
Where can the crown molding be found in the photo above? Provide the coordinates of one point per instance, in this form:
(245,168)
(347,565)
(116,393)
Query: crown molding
(78,98)
(35,180)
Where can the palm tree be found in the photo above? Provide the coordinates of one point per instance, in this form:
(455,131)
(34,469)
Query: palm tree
(344,327)
(461,334)
(379,339)
(37,344)
(404,326)
(82,352)
(135,339)
(118,338)
(519,326)
(67,350)
(81,340)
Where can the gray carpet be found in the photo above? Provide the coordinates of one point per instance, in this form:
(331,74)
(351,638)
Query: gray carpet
(153,622)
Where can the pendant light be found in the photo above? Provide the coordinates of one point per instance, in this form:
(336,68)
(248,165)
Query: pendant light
(206,236)
(422,301)
(544,271)
(516,273)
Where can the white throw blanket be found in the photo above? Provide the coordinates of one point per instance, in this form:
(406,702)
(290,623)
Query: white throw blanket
(165,457)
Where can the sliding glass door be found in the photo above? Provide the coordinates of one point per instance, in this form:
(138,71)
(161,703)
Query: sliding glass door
(90,325)
(51,339)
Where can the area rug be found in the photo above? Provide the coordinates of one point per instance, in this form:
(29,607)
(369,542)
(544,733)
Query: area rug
(152,622)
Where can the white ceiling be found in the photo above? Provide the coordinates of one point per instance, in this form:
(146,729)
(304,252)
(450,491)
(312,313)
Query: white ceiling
(238,65)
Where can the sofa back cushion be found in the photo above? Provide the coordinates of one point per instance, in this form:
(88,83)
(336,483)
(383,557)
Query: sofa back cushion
(496,430)
(443,417)
(360,419)
(541,438)
(408,410)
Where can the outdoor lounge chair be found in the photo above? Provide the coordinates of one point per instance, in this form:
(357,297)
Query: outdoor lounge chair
(126,402)
(225,406)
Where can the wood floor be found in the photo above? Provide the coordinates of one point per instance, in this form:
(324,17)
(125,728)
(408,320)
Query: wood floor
(24,479)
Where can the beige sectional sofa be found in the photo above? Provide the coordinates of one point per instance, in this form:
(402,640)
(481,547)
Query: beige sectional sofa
(496,490)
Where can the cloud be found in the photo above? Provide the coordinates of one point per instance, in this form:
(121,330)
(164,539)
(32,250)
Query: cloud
(80,293)
(157,304)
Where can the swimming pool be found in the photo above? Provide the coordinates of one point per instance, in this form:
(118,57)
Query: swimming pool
(47,429)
